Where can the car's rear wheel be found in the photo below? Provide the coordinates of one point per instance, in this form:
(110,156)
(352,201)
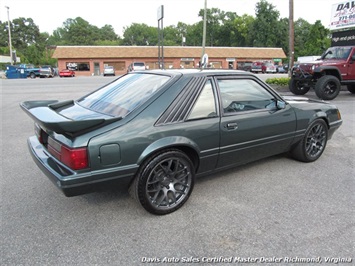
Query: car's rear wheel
(311,147)
(32,75)
(351,88)
(327,87)
(164,183)
(298,87)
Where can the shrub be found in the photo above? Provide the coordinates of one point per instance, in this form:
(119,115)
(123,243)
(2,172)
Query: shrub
(278,81)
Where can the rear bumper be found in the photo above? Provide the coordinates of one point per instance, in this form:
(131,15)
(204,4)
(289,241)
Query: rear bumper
(73,183)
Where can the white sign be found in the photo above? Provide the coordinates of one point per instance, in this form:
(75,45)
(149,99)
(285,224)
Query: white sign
(160,12)
(343,15)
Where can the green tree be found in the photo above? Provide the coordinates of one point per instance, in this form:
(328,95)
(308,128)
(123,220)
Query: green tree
(194,34)
(226,31)
(317,41)
(172,36)
(214,19)
(282,36)
(24,32)
(264,29)
(140,34)
(241,27)
(80,32)
(302,30)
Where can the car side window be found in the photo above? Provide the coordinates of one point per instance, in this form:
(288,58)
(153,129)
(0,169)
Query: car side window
(238,95)
(205,106)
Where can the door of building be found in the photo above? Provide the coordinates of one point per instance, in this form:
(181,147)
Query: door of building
(97,69)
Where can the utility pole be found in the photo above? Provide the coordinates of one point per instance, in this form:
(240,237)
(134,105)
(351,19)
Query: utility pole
(160,18)
(204,34)
(291,37)
(9,29)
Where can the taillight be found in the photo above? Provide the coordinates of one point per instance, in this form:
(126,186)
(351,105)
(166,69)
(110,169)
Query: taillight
(74,158)
(41,134)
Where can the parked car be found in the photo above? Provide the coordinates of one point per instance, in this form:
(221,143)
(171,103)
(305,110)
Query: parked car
(155,131)
(136,66)
(246,66)
(268,68)
(30,70)
(46,72)
(66,73)
(109,71)
(256,67)
(280,69)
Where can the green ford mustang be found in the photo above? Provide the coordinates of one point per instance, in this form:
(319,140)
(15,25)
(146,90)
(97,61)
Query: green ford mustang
(154,131)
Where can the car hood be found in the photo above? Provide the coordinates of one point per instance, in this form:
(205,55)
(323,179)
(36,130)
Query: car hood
(67,118)
(308,65)
(299,99)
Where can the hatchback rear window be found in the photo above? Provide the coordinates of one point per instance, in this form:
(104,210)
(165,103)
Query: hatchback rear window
(124,95)
(138,64)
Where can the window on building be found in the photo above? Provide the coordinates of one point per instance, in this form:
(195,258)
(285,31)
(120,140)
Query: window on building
(187,64)
(214,64)
(78,66)
(121,65)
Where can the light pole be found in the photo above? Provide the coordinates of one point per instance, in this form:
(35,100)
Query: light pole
(9,29)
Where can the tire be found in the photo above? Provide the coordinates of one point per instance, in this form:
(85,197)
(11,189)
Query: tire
(164,183)
(297,87)
(327,87)
(351,88)
(32,75)
(311,147)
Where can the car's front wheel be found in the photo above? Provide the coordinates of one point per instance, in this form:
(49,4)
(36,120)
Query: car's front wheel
(311,147)
(164,183)
(298,87)
(327,87)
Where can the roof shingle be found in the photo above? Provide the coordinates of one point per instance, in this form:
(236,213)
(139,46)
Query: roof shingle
(169,51)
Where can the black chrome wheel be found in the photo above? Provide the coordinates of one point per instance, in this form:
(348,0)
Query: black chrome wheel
(313,143)
(327,87)
(165,182)
(316,140)
(298,87)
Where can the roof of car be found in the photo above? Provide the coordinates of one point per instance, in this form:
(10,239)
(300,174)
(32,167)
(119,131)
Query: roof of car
(206,71)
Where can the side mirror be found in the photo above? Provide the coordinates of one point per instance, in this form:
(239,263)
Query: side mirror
(280,104)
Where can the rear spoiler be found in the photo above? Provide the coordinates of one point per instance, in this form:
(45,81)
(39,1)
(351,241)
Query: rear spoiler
(45,114)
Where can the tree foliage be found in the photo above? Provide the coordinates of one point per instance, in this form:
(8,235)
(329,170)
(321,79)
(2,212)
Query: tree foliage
(226,29)
(140,34)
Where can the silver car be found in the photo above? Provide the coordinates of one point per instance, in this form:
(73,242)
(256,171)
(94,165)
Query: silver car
(109,71)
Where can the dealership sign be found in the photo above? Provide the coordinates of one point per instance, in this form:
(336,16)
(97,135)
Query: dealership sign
(343,15)
(343,38)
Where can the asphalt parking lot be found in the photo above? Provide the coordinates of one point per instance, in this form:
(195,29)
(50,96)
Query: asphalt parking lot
(274,211)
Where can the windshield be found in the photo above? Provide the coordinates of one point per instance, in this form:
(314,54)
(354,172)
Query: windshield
(124,95)
(337,53)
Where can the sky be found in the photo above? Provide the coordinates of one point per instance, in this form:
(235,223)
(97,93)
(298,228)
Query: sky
(49,15)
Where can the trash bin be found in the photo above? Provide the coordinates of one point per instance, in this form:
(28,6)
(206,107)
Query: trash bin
(14,72)
(22,73)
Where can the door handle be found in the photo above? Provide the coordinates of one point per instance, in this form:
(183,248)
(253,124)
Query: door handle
(231,126)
